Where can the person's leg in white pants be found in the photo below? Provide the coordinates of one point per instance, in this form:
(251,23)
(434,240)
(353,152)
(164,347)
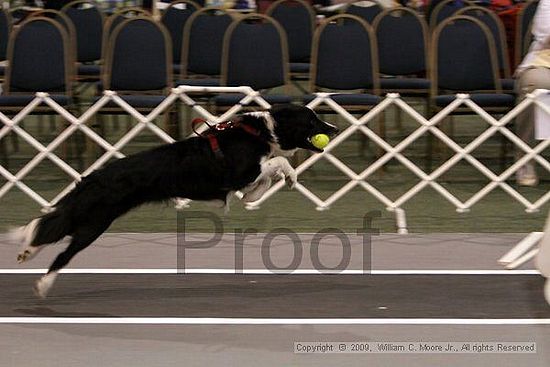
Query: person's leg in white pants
(529,80)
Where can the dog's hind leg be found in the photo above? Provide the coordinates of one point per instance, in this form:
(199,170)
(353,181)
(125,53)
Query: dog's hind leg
(81,239)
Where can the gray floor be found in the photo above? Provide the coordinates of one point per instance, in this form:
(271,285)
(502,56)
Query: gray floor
(387,251)
(334,296)
(193,345)
(278,296)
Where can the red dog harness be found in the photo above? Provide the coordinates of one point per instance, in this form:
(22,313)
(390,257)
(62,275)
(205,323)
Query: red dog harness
(212,132)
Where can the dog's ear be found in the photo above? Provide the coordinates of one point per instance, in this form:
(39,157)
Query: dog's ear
(282,113)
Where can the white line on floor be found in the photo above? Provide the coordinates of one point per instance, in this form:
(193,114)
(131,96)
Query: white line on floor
(264,321)
(268,272)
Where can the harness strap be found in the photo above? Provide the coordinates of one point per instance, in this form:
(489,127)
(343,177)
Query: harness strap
(212,132)
(215,146)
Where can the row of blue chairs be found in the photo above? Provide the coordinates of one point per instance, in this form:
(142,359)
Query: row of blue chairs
(253,51)
(295,16)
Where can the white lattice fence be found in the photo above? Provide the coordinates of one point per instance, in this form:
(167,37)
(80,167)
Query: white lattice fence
(111,150)
(361,124)
(460,153)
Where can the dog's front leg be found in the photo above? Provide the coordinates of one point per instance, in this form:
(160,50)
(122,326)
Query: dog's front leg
(270,169)
(279,166)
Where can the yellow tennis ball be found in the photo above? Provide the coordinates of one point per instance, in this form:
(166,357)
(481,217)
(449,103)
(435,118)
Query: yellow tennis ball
(320,140)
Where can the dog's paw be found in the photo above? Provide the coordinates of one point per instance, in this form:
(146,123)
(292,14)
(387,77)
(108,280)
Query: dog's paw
(23,256)
(38,290)
(28,253)
(291,178)
(44,284)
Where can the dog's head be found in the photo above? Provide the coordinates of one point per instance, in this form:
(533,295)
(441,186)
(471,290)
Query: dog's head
(295,125)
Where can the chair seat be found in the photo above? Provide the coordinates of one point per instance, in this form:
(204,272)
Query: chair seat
(136,101)
(508,85)
(21,100)
(200,82)
(299,67)
(234,98)
(481,99)
(388,84)
(358,99)
(89,69)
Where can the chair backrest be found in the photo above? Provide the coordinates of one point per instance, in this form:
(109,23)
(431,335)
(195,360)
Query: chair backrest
(298,20)
(115,19)
(464,57)
(402,37)
(88,22)
(255,53)
(174,19)
(65,22)
(344,55)
(493,22)
(444,10)
(523,28)
(39,58)
(367,13)
(203,41)
(5,31)
(59,17)
(138,57)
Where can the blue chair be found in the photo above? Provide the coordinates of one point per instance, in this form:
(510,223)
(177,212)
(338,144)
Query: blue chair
(367,13)
(114,20)
(493,22)
(67,24)
(69,27)
(88,22)
(39,60)
(345,58)
(138,63)
(255,54)
(202,47)
(174,19)
(138,66)
(117,18)
(298,20)
(5,31)
(523,26)
(444,10)
(402,39)
(465,60)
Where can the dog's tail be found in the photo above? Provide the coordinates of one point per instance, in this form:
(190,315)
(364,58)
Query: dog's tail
(55,225)
(49,228)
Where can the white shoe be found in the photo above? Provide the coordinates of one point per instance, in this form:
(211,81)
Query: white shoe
(527,176)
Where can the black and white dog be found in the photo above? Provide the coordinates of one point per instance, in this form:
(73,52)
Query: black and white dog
(243,155)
